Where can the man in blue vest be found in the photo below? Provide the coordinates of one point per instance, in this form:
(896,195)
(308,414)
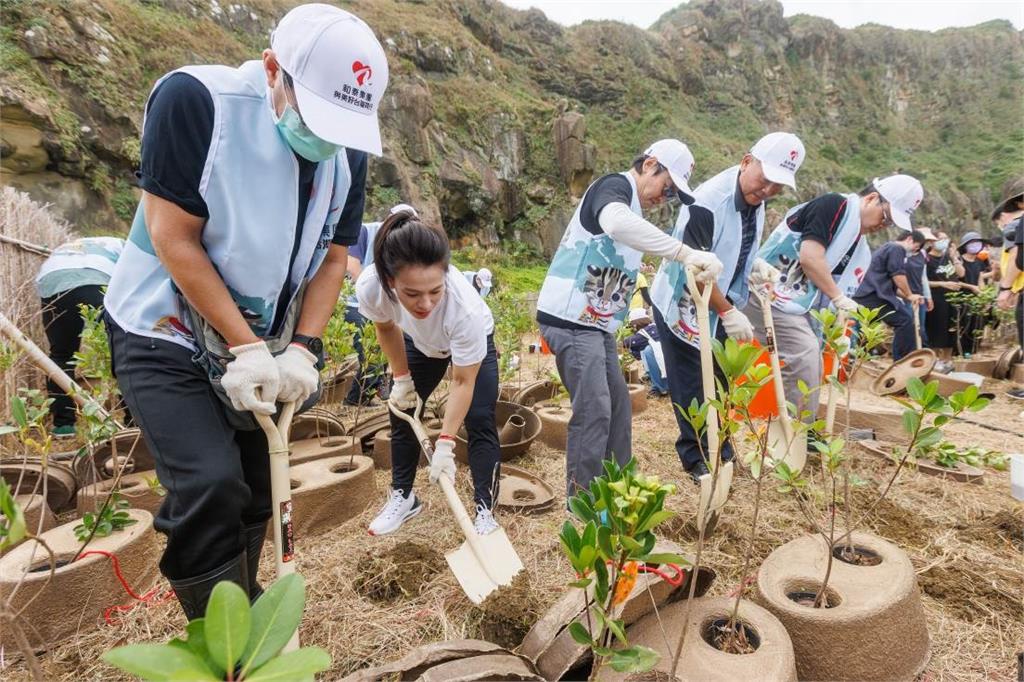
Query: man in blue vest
(586,294)
(364,388)
(727,220)
(819,249)
(253,190)
(482,280)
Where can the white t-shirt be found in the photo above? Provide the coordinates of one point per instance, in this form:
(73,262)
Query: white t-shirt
(458,326)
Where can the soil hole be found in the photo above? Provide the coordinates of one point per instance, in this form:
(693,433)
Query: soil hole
(402,571)
(806,597)
(738,639)
(509,612)
(294,484)
(523,496)
(343,468)
(44,565)
(857,556)
(651,676)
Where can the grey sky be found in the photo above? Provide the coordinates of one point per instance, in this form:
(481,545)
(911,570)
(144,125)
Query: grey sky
(926,15)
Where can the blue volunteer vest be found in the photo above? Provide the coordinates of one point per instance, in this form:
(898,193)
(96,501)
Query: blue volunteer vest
(250,184)
(592,276)
(669,293)
(794,292)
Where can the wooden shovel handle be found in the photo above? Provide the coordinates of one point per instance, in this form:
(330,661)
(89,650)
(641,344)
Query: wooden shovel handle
(702,299)
(765,298)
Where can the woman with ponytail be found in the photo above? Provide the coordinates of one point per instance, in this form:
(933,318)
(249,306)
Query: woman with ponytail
(429,317)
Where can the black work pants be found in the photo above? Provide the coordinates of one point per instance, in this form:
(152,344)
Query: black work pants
(63,323)
(682,365)
(217,478)
(484,453)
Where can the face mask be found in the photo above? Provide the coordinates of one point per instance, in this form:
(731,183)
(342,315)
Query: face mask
(973,248)
(942,245)
(301,139)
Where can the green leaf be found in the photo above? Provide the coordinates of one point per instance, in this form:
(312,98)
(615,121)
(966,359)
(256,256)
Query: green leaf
(663,558)
(291,666)
(6,429)
(604,541)
(582,583)
(275,616)
(910,421)
(227,624)
(654,519)
(915,389)
(635,659)
(19,412)
(158,662)
(580,634)
(615,626)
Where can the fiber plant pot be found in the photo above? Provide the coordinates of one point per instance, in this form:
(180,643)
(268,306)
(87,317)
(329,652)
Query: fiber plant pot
(554,421)
(956,381)
(35,510)
(632,375)
(61,482)
(458,659)
(107,457)
(507,391)
(876,628)
(701,661)
(894,379)
(521,491)
(985,367)
(316,422)
(136,489)
(638,398)
(550,644)
(315,448)
(518,427)
(382,445)
(328,492)
(73,601)
(536,392)
(962,472)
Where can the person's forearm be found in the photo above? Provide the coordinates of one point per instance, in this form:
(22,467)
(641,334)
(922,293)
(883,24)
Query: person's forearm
(322,292)
(191,270)
(815,267)
(389,335)
(460,396)
(718,302)
(622,225)
(902,287)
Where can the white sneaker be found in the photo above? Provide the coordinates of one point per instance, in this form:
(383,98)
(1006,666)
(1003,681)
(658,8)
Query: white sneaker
(397,510)
(485,522)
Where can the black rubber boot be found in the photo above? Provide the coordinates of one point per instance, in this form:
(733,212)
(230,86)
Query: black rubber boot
(194,593)
(254,536)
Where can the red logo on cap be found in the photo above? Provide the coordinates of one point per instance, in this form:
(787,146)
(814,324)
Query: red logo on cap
(793,154)
(363,72)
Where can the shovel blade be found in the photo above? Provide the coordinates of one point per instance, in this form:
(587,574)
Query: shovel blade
(479,576)
(713,497)
(795,456)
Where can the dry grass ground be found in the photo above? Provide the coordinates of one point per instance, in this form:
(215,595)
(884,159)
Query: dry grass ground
(964,540)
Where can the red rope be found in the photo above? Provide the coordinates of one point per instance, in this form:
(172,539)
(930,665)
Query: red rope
(150,598)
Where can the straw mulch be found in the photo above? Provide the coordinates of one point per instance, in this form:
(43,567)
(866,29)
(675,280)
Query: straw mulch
(963,539)
(21,218)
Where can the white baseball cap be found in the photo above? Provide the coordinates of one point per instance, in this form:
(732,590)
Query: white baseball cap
(339,71)
(904,194)
(676,157)
(485,277)
(780,155)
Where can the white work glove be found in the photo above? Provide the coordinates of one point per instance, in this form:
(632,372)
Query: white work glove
(252,370)
(443,461)
(299,377)
(706,264)
(763,273)
(737,325)
(403,393)
(844,304)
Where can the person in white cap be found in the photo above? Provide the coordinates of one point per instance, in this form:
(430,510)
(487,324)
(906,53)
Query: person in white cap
(822,253)
(586,294)
(727,221)
(482,280)
(253,190)
(366,386)
(886,285)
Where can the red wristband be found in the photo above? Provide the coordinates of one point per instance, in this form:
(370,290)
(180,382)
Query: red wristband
(446,436)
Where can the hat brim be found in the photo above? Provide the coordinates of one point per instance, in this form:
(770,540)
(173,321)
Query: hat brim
(338,125)
(901,220)
(682,189)
(779,176)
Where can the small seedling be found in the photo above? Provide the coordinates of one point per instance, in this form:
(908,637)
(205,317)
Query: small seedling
(113,516)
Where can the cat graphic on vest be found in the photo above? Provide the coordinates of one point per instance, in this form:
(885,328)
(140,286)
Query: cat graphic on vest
(607,290)
(688,317)
(792,282)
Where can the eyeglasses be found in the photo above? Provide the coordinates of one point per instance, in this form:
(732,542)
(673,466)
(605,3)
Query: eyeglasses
(887,215)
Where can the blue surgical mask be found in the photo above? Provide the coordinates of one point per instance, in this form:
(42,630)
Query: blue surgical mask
(301,139)
(973,248)
(942,245)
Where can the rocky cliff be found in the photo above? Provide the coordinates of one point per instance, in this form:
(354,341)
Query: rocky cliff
(496,119)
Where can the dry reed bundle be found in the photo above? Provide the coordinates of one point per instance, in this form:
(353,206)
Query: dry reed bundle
(23,219)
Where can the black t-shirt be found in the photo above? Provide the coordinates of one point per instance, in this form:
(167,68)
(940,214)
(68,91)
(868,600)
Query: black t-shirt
(176,141)
(915,272)
(888,261)
(818,221)
(973,270)
(606,190)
